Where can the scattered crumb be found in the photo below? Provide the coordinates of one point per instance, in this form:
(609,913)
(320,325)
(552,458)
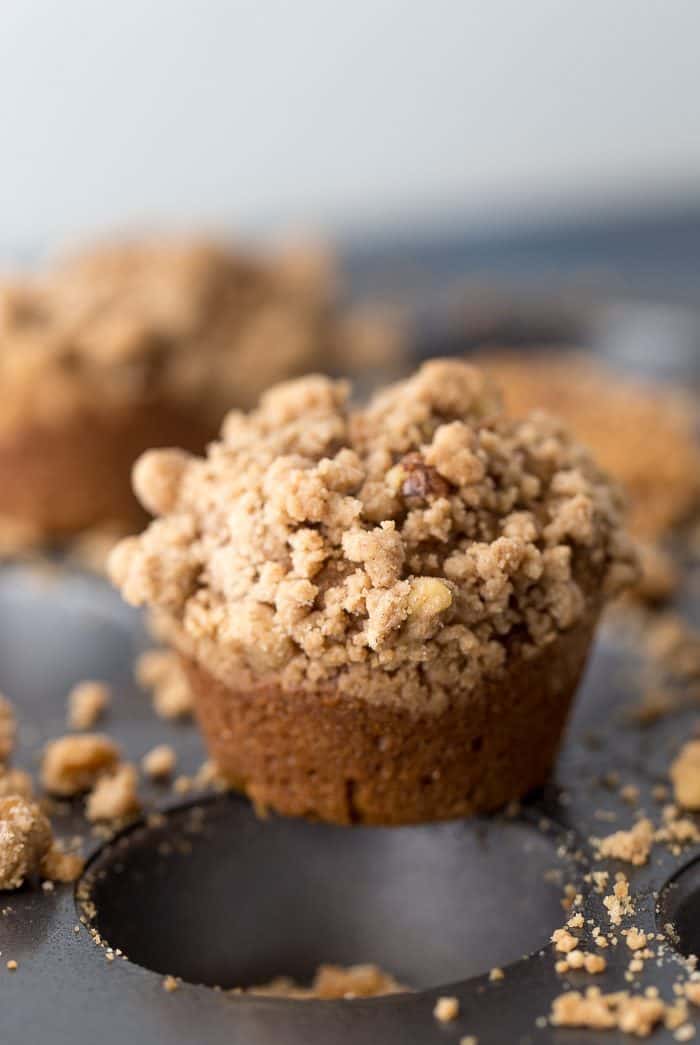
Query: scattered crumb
(496,974)
(619,903)
(446,1009)
(159,762)
(170,984)
(72,764)
(564,941)
(633,846)
(685,776)
(632,1014)
(12,965)
(86,703)
(636,940)
(8,729)
(333,981)
(15,782)
(25,837)
(58,866)
(159,670)
(114,795)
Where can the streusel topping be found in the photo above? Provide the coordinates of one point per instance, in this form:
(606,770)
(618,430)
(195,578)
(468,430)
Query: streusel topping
(191,322)
(400,552)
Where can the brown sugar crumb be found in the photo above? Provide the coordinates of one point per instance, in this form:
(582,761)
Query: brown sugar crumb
(170,984)
(632,846)
(86,703)
(115,795)
(72,764)
(185,322)
(296,548)
(564,941)
(577,959)
(334,981)
(632,1014)
(15,782)
(12,965)
(159,670)
(446,1009)
(685,776)
(8,729)
(59,866)
(159,762)
(636,940)
(25,838)
(619,903)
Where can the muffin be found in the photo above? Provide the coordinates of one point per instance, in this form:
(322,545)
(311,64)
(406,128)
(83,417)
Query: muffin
(383,611)
(144,344)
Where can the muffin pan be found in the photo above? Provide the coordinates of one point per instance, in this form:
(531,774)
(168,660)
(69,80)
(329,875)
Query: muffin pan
(221,898)
(212,894)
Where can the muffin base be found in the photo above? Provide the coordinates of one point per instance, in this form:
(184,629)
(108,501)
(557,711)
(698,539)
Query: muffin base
(324,755)
(65,477)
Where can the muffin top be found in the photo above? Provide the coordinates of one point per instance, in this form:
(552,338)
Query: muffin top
(189,321)
(400,552)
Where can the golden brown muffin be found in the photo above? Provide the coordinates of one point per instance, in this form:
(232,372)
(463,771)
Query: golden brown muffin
(383,612)
(144,344)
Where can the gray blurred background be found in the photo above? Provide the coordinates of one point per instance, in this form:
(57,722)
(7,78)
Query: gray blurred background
(361,116)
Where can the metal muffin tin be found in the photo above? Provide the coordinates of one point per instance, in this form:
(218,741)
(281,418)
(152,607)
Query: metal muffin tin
(210,893)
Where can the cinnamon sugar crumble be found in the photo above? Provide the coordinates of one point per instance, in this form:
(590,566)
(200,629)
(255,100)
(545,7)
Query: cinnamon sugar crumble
(446,1009)
(159,670)
(159,762)
(333,981)
(685,776)
(25,838)
(72,764)
(632,846)
(296,546)
(86,703)
(8,729)
(115,795)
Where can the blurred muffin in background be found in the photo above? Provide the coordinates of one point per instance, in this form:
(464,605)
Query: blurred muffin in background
(141,344)
(645,436)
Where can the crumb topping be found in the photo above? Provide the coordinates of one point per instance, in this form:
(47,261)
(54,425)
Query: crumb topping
(115,795)
(86,702)
(409,547)
(72,764)
(189,322)
(159,762)
(160,671)
(25,838)
(446,1009)
(364,980)
(685,776)
(8,729)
